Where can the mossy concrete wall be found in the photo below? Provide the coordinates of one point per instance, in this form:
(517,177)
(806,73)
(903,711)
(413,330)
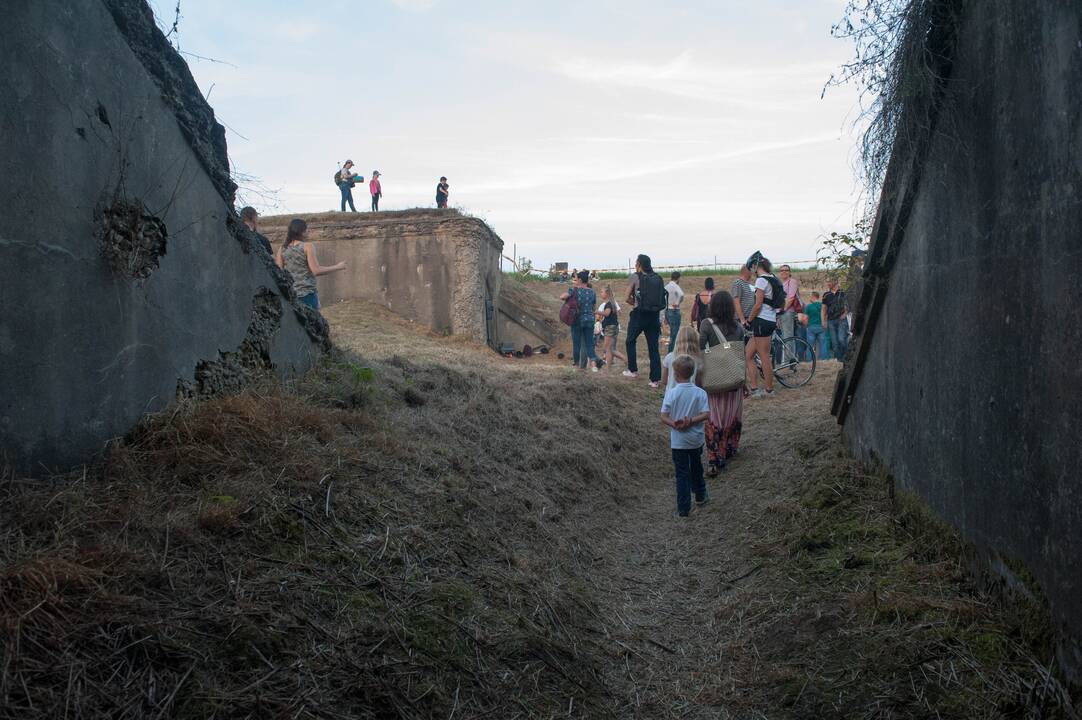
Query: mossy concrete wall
(970,388)
(437,267)
(124,276)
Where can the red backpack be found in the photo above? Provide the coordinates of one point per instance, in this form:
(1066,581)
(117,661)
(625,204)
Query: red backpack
(569,311)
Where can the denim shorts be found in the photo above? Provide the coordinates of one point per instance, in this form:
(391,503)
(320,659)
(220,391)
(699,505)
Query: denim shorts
(612,331)
(311,300)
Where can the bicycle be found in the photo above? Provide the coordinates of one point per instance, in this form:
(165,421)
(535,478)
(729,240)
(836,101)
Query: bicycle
(786,353)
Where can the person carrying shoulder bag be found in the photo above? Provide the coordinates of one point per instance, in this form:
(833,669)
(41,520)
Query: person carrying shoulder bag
(723,377)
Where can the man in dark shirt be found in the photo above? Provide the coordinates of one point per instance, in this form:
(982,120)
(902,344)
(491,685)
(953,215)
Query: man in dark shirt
(442,191)
(835,318)
(250,218)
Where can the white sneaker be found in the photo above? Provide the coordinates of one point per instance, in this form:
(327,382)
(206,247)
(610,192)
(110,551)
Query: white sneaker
(757,392)
(629,374)
(655,385)
(593,368)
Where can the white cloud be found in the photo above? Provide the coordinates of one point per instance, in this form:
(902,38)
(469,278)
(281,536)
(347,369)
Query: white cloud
(414,5)
(749,85)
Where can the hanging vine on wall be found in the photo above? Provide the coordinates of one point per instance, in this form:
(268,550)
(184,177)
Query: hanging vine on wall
(894,67)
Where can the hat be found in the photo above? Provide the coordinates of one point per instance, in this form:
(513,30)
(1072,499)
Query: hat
(376,173)
(348,162)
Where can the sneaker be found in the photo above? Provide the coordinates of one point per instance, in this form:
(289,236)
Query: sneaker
(655,384)
(704,499)
(757,392)
(770,393)
(679,515)
(629,374)
(593,369)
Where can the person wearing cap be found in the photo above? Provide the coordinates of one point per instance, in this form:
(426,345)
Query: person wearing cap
(376,189)
(443,189)
(346,181)
(249,215)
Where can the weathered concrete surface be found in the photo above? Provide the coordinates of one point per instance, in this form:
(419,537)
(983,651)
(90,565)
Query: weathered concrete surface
(970,390)
(438,267)
(529,318)
(109,309)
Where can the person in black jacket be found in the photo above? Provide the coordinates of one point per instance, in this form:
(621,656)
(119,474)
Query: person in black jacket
(647,298)
(443,190)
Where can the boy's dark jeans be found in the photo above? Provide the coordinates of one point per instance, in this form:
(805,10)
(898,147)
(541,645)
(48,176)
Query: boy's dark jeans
(689,477)
(650,324)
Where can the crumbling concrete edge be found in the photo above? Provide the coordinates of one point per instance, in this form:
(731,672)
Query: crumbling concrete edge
(195,117)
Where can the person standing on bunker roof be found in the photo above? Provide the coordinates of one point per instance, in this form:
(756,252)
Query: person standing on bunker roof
(299,257)
(443,190)
(647,295)
(346,179)
(672,310)
(376,189)
(250,217)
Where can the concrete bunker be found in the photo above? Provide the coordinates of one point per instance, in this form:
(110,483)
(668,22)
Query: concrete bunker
(439,268)
(102,324)
(961,377)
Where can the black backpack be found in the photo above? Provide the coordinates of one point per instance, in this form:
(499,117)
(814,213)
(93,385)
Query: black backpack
(653,297)
(777,292)
(338,178)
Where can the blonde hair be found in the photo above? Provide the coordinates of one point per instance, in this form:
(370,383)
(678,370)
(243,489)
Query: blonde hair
(687,343)
(683,367)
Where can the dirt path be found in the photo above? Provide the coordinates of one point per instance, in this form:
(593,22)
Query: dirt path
(670,583)
(803,590)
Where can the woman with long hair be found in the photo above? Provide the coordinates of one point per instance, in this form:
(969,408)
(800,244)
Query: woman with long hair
(687,343)
(726,407)
(298,257)
(582,329)
(608,314)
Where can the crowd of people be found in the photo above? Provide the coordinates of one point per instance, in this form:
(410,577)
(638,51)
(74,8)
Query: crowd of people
(346,179)
(758,304)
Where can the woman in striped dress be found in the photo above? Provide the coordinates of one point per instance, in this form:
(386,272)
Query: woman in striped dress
(727,407)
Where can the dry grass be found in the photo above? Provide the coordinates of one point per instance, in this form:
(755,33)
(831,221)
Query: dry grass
(374,542)
(435,532)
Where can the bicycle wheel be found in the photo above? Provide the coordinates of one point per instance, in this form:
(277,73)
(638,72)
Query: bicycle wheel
(792,372)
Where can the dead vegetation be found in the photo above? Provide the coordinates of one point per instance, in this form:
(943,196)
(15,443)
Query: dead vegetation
(430,532)
(321,552)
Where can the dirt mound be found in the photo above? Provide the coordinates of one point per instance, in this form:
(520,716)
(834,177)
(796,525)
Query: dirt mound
(377,542)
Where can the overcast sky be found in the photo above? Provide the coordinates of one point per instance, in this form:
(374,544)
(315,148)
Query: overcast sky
(581,130)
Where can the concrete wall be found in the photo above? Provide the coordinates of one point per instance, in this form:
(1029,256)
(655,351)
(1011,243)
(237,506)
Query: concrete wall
(437,267)
(123,276)
(969,391)
(526,317)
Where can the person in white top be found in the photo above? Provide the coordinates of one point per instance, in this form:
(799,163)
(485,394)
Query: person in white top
(672,311)
(687,343)
(762,321)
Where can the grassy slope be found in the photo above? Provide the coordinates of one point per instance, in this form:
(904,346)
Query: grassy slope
(421,533)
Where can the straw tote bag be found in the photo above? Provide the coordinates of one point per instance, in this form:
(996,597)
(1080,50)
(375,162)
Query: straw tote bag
(723,364)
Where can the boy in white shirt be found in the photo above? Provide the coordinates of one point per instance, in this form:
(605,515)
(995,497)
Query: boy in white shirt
(684,410)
